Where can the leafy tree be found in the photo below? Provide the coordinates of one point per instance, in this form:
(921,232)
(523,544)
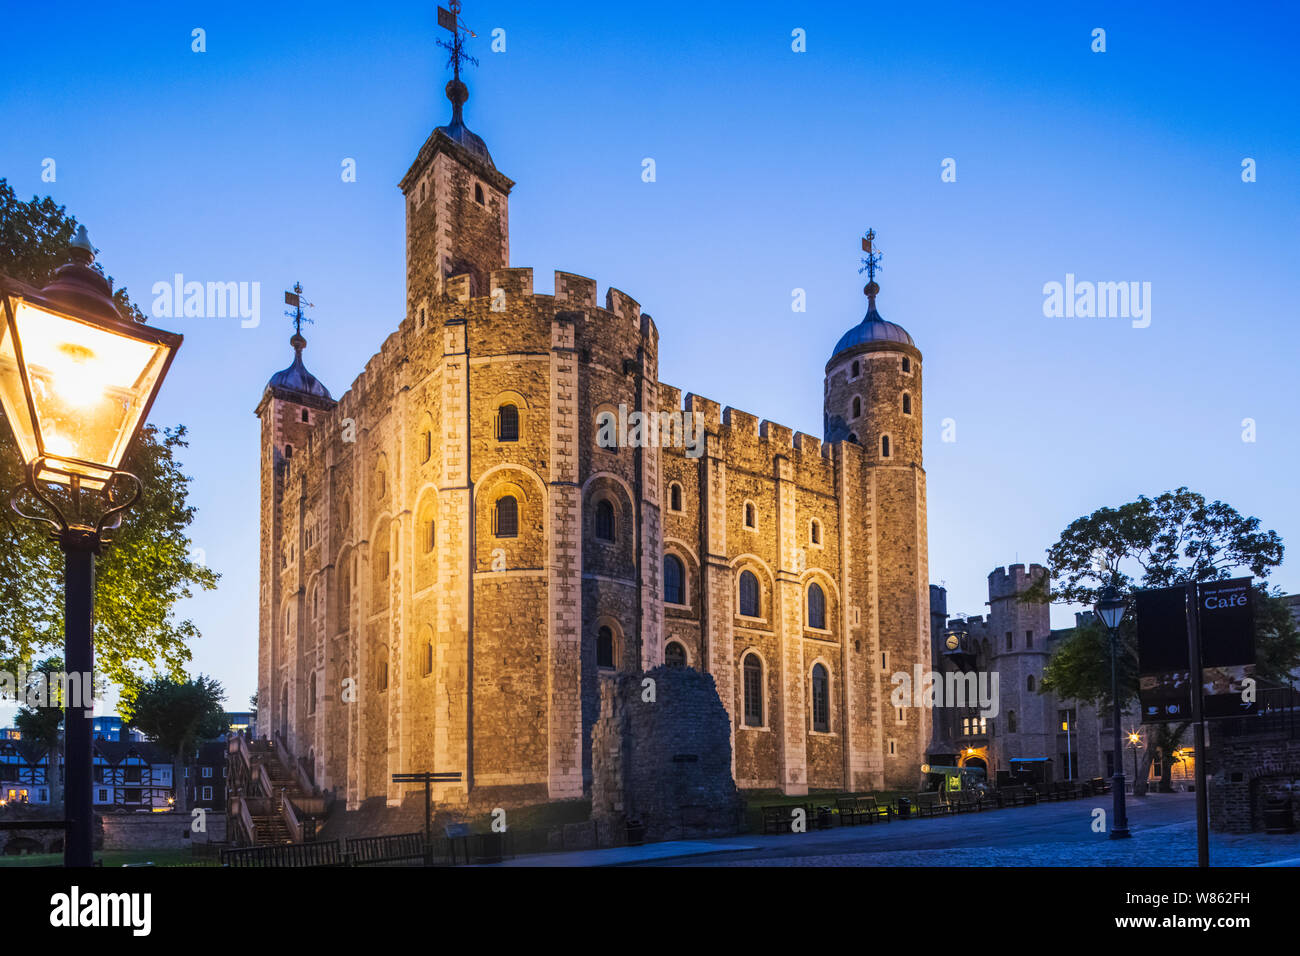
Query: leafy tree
(148,567)
(43,725)
(177,715)
(1174,538)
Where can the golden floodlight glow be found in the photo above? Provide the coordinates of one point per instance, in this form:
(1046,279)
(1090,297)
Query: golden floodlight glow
(90,386)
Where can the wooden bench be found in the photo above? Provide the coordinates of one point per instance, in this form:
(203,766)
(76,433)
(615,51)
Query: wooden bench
(777,819)
(871,811)
(394,848)
(849,814)
(285,854)
(929,805)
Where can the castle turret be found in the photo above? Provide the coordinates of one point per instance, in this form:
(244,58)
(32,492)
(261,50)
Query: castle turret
(1018,634)
(873,382)
(457,209)
(293,405)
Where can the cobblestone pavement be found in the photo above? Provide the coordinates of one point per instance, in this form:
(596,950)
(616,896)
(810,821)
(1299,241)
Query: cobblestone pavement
(1054,834)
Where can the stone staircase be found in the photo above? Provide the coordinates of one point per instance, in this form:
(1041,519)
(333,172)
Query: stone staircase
(271,827)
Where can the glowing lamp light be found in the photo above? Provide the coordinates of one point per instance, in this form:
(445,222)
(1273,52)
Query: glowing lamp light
(76,379)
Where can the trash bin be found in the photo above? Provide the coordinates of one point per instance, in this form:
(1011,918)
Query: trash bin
(904,808)
(490,847)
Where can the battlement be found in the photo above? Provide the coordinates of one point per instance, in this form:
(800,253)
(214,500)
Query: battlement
(516,281)
(1013,580)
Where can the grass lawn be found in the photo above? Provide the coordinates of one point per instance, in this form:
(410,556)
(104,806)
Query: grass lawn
(112,858)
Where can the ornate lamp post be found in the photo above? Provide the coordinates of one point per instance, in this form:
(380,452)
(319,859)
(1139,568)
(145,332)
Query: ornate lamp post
(1110,608)
(76,384)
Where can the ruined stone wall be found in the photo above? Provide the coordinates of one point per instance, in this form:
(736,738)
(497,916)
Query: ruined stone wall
(662,755)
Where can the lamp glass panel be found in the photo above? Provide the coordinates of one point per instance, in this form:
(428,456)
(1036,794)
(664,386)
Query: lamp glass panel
(12,398)
(90,385)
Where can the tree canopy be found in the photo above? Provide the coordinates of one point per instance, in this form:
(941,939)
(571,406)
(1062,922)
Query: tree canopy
(149,566)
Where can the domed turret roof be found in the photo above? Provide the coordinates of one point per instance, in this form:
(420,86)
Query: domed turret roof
(872,329)
(296,378)
(457,131)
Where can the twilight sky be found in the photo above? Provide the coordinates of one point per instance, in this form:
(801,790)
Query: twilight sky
(1122,166)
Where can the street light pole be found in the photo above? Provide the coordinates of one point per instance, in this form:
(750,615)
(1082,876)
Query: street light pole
(1110,608)
(77,381)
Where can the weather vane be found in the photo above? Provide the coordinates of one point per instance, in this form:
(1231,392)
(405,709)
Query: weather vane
(294,299)
(450,20)
(870,265)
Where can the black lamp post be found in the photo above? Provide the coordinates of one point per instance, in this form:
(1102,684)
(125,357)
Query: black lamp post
(76,384)
(1110,608)
(1134,741)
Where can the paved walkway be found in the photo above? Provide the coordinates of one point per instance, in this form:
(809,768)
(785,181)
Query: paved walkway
(1051,834)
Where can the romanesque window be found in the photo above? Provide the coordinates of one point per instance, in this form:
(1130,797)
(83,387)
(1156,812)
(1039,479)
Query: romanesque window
(478,194)
(821,699)
(605,647)
(815,533)
(857,406)
(426,446)
(749,594)
(753,681)
(505,519)
(426,663)
(605,520)
(381,483)
(907,404)
(674,497)
(381,675)
(751,516)
(674,580)
(884,446)
(907,364)
(857,369)
(1011,721)
(674,655)
(1029,682)
(508,423)
(816,607)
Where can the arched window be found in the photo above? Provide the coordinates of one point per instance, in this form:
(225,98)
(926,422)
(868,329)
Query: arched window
(674,655)
(1011,721)
(751,517)
(816,607)
(907,364)
(674,580)
(815,532)
(753,680)
(884,446)
(857,369)
(907,404)
(478,194)
(426,446)
(381,675)
(821,699)
(605,647)
(605,520)
(426,663)
(749,594)
(674,497)
(507,423)
(857,407)
(1029,682)
(506,515)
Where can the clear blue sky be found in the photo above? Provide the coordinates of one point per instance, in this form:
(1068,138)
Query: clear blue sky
(1122,166)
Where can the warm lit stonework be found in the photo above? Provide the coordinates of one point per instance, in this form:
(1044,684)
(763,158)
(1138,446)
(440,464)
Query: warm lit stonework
(412,619)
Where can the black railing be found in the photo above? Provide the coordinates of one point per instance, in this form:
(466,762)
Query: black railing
(1278,715)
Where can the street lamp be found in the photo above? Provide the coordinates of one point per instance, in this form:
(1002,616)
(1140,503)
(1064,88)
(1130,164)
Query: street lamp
(1110,608)
(1134,741)
(76,384)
